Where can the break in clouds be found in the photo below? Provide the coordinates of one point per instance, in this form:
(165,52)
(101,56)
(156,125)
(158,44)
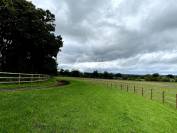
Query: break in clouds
(126,36)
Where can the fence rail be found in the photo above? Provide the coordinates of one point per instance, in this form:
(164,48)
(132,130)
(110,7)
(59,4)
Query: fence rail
(11,78)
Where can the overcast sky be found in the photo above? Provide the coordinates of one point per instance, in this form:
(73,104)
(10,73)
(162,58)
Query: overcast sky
(126,36)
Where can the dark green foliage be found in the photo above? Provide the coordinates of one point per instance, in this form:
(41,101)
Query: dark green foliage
(95,74)
(118,75)
(107,75)
(75,73)
(170,76)
(27,39)
(155,75)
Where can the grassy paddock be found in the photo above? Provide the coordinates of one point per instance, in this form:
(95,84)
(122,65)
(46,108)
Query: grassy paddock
(161,91)
(83,106)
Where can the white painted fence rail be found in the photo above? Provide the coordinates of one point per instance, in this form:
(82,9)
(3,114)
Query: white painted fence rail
(10,78)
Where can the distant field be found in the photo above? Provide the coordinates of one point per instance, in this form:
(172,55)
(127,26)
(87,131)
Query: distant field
(85,106)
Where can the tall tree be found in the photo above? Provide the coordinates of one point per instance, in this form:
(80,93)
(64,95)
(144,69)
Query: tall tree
(27,39)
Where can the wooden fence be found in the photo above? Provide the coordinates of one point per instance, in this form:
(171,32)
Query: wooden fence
(11,78)
(165,97)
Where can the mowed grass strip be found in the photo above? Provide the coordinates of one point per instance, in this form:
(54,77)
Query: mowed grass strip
(84,107)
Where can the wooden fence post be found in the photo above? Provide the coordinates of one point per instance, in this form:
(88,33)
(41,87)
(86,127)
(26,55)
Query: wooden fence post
(127,88)
(121,87)
(31,79)
(142,92)
(151,94)
(134,89)
(163,97)
(19,78)
(39,77)
(176,101)
(111,85)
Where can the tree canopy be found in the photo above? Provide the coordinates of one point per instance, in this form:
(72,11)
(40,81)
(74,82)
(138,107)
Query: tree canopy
(27,39)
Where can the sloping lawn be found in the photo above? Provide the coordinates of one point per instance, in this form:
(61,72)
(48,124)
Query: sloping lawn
(83,106)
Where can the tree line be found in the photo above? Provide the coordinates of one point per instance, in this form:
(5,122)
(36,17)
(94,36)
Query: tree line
(107,75)
(27,39)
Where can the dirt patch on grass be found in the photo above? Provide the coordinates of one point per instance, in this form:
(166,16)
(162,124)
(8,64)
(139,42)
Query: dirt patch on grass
(28,87)
(62,82)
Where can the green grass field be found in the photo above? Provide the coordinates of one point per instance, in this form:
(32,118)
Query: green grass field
(83,106)
(158,88)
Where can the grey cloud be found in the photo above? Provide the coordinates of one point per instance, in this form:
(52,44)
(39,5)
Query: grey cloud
(121,32)
(162,16)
